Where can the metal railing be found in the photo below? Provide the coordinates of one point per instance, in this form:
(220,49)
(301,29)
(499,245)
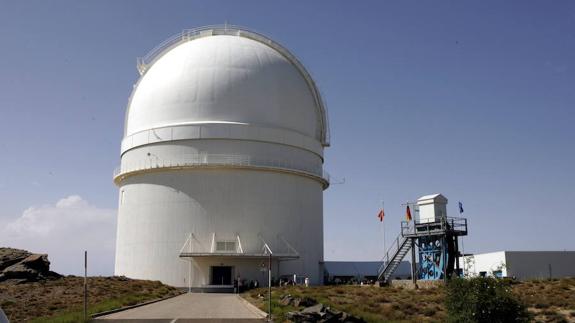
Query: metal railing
(187,35)
(391,252)
(446,224)
(214,160)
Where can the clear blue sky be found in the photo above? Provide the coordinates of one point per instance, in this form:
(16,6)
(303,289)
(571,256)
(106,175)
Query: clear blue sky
(475,100)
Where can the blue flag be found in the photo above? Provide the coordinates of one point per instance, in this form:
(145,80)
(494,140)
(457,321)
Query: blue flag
(460,207)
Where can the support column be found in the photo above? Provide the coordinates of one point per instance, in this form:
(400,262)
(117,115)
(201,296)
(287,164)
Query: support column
(457,255)
(444,256)
(413,264)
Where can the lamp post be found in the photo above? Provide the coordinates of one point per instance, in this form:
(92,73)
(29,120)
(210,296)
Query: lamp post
(85,286)
(270,287)
(269,281)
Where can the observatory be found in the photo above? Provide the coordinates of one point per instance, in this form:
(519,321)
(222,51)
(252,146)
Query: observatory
(221,163)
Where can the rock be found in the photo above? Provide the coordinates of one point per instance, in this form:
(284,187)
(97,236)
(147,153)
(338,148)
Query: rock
(287,300)
(318,308)
(10,256)
(20,266)
(323,314)
(14,281)
(332,316)
(300,317)
(305,302)
(37,262)
(20,271)
(346,318)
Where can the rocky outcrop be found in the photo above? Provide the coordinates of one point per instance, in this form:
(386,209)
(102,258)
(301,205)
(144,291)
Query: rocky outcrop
(322,314)
(314,312)
(21,266)
(297,301)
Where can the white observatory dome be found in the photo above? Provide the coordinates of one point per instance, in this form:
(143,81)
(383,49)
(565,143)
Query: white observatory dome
(222,159)
(222,79)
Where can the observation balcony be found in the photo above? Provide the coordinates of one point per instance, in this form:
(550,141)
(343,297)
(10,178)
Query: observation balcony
(187,161)
(449,225)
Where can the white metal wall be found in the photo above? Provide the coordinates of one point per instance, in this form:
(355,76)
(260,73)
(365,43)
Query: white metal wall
(540,264)
(159,210)
(486,262)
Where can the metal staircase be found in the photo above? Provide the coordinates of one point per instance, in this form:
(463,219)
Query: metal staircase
(398,250)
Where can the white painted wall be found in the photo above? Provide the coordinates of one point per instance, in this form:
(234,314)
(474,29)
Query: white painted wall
(487,262)
(431,208)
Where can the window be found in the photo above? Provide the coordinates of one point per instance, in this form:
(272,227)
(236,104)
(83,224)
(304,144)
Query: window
(226,246)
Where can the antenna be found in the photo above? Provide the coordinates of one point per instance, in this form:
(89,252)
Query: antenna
(338,181)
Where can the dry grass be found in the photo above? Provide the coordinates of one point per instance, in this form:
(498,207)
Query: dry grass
(373,304)
(547,301)
(63,297)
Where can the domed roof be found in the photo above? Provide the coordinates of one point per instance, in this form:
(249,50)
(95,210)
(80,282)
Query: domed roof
(233,77)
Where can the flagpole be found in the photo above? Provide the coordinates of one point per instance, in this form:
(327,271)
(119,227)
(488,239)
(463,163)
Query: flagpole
(462,245)
(383,227)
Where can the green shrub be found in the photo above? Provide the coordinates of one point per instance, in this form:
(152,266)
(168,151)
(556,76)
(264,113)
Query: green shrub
(483,300)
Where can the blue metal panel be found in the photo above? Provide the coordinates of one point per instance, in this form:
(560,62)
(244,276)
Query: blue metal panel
(432,255)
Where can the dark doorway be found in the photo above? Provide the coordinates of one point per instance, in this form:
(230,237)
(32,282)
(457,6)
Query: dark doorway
(221,275)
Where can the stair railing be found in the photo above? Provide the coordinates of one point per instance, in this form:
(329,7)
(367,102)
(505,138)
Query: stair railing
(391,253)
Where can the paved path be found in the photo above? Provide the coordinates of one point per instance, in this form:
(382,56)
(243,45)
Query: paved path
(192,306)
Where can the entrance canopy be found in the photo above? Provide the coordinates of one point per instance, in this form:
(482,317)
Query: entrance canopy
(233,249)
(238,255)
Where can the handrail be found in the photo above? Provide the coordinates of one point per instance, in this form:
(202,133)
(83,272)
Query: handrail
(239,247)
(195,160)
(190,34)
(447,223)
(393,249)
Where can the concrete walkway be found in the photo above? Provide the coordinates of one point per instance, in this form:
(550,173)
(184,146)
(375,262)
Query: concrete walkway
(191,307)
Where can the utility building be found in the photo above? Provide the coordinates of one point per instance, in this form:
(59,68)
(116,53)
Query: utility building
(520,264)
(221,163)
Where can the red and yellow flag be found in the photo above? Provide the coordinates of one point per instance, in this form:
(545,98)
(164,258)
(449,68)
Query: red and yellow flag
(380,215)
(408,214)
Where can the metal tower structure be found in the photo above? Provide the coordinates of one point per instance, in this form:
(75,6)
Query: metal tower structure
(436,241)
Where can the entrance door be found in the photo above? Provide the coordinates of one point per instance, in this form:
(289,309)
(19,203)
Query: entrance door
(221,275)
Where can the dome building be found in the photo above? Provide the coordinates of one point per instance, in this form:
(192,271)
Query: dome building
(221,163)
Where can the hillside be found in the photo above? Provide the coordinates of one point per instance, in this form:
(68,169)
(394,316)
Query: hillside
(61,299)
